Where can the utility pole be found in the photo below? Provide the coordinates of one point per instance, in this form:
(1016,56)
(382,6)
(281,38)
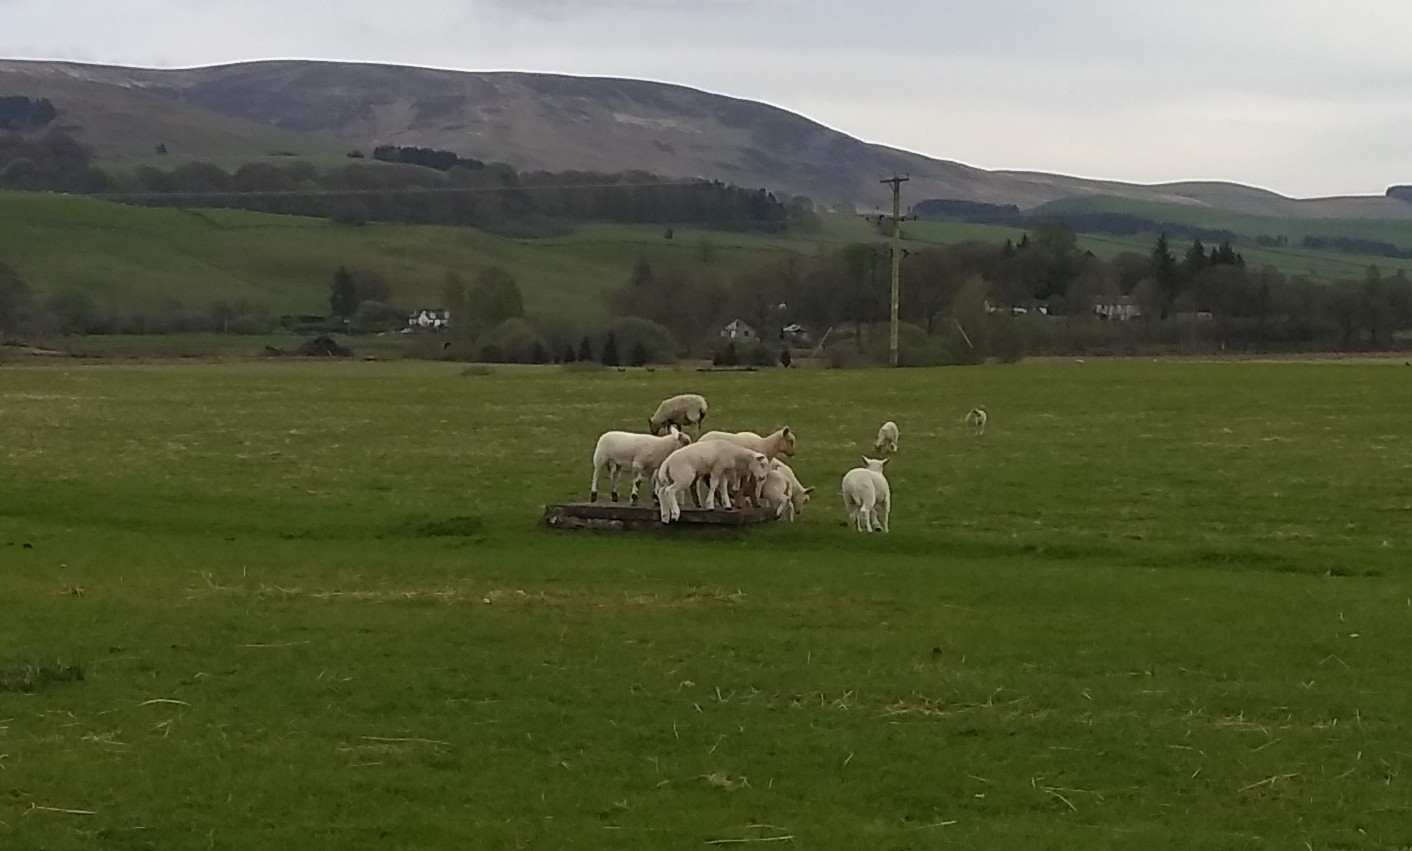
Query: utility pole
(896,259)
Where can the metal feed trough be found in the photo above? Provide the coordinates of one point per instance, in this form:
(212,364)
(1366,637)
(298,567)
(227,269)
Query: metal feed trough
(617,517)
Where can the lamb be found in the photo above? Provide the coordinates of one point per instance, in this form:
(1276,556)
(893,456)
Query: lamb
(780,442)
(715,460)
(681,411)
(976,420)
(867,497)
(887,438)
(798,494)
(641,453)
(776,493)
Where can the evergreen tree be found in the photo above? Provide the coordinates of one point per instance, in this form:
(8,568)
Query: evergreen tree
(569,354)
(1195,259)
(1164,270)
(610,350)
(540,355)
(585,350)
(786,358)
(343,294)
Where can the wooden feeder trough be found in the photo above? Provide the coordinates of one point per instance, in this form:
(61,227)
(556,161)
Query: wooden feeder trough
(618,517)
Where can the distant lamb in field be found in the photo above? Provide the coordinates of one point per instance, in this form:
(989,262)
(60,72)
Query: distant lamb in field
(641,453)
(976,420)
(887,438)
(717,461)
(681,411)
(867,497)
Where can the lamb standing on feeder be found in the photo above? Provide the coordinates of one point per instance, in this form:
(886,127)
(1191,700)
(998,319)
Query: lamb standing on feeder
(641,453)
(780,442)
(887,438)
(716,461)
(867,497)
(681,411)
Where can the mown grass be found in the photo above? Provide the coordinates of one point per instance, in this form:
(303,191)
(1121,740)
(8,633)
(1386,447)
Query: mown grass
(1158,604)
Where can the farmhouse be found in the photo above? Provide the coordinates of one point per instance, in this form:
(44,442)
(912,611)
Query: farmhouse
(1121,308)
(739,331)
(433,318)
(794,334)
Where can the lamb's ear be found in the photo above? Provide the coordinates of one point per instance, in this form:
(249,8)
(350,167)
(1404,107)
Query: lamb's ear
(808,490)
(866,460)
(884,461)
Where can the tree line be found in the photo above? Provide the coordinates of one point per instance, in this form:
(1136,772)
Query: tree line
(1041,294)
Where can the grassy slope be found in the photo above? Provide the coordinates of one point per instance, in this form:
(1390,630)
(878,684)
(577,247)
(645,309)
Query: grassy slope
(148,255)
(144,256)
(313,608)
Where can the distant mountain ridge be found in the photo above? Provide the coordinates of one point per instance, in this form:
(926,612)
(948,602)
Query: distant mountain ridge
(554,122)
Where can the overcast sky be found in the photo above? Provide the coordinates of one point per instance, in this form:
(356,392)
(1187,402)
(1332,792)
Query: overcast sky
(1305,97)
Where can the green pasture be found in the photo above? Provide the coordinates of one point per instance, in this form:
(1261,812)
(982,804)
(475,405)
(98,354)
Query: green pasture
(134,257)
(309,605)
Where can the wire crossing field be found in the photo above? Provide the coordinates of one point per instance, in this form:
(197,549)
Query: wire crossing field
(269,606)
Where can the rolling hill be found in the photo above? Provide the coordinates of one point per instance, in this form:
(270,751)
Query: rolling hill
(554,122)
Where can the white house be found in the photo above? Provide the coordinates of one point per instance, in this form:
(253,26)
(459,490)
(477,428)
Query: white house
(1121,308)
(739,331)
(433,318)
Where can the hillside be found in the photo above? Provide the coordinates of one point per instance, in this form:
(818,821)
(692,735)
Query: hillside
(554,122)
(141,258)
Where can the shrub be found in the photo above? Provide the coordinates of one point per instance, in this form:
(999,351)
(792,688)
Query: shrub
(512,341)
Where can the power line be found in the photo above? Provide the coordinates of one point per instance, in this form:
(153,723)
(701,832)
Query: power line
(896,182)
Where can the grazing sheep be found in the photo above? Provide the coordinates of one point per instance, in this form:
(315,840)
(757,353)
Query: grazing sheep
(716,460)
(641,453)
(867,497)
(681,411)
(976,420)
(887,438)
(776,495)
(798,494)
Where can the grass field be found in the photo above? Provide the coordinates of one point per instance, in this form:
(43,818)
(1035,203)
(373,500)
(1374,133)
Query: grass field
(141,258)
(277,605)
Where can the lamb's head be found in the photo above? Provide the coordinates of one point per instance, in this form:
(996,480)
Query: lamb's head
(682,438)
(786,440)
(800,498)
(758,466)
(874,464)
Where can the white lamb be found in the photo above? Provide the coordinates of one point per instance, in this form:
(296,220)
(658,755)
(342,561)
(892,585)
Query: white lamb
(867,497)
(681,411)
(716,461)
(779,442)
(887,438)
(798,494)
(976,420)
(641,453)
(776,495)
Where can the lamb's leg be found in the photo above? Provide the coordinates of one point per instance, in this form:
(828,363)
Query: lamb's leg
(637,477)
(884,513)
(593,486)
(613,471)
